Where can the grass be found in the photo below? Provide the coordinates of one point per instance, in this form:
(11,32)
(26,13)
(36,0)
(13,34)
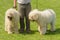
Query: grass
(34,35)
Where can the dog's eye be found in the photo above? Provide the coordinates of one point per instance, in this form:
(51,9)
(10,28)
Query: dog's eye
(8,17)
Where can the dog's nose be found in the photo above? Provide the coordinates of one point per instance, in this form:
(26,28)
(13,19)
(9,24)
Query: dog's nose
(10,18)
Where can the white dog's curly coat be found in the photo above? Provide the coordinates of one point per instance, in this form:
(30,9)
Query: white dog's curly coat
(43,18)
(11,21)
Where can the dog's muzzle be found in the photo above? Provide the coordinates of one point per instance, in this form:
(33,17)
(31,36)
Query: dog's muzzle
(10,18)
(33,20)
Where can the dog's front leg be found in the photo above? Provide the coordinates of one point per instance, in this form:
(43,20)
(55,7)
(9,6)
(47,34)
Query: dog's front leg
(42,29)
(10,30)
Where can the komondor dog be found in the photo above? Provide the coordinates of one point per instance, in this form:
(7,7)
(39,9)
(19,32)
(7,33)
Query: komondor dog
(43,18)
(11,21)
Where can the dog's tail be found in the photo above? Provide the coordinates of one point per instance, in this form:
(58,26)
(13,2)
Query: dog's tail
(52,11)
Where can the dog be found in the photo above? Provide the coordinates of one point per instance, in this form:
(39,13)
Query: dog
(11,20)
(43,18)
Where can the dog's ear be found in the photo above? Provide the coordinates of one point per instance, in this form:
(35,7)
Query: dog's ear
(18,13)
(36,16)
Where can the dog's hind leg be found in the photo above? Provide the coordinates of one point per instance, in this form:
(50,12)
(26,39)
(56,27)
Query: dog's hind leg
(16,29)
(52,26)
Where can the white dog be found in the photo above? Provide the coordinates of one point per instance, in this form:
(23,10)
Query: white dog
(43,18)
(11,21)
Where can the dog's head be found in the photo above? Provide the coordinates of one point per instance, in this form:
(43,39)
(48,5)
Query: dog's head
(33,15)
(12,13)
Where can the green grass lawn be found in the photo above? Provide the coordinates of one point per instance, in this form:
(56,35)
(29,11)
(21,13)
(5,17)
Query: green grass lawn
(34,35)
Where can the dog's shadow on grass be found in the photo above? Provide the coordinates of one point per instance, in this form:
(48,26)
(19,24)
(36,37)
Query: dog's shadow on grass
(31,32)
(57,31)
(48,32)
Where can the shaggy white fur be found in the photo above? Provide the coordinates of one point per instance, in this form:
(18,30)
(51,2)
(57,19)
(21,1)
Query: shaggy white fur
(43,18)
(11,21)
